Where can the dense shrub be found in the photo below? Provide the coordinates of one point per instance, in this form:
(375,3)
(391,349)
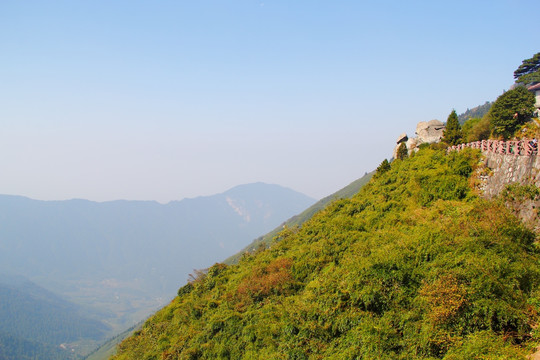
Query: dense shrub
(476,129)
(511,110)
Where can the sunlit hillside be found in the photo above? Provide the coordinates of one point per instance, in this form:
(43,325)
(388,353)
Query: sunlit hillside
(415,266)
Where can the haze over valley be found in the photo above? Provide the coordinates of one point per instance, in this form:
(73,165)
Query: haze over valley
(124,259)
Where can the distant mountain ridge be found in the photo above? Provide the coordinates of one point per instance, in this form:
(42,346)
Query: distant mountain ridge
(129,257)
(476,112)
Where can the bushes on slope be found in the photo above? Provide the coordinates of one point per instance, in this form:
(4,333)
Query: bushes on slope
(415,266)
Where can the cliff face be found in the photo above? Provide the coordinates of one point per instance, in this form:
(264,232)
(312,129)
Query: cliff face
(502,170)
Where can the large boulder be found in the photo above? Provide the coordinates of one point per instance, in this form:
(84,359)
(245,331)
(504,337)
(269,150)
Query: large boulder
(412,144)
(402,138)
(426,132)
(430,131)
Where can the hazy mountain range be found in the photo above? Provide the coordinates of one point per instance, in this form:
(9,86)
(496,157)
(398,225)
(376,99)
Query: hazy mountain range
(126,258)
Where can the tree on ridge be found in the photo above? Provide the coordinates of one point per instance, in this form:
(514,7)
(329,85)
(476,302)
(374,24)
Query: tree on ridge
(529,71)
(510,110)
(452,135)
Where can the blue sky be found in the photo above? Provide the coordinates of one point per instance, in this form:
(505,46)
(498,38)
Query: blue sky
(163,100)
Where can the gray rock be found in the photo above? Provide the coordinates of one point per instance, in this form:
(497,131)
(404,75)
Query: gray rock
(412,144)
(430,131)
(426,131)
(402,138)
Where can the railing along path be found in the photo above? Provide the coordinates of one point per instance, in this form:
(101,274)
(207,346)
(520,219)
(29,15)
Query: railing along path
(525,147)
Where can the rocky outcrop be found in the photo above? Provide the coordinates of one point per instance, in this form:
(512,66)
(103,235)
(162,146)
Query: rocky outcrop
(426,132)
(430,131)
(402,138)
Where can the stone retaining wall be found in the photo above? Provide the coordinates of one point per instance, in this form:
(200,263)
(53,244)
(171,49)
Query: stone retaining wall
(508,169)
(509,162)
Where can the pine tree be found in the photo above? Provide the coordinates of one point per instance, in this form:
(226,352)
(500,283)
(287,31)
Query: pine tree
(511,110)
(529,71)
(452,135)
(383,167)
(402,152)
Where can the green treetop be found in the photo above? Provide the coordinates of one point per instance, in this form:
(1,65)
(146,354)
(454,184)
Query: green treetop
(402,152)
(529,71)
(452,134)
(510,110)
(383,167)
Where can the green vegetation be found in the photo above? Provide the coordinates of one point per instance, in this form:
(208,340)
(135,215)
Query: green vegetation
(511,110)
(402,152)
(264,241)
(45,320)
(476,112)
(383,167)
(509,115)
(14,348)
(529,71)
(518,192)
(108,348)
(415,266)
(476,129)
(36,321)
(452,134)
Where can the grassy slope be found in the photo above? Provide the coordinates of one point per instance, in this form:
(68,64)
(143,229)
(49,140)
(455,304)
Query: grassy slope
(108,349)
(297,220)
(413,267)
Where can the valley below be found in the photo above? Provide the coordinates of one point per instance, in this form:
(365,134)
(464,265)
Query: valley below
(118,262)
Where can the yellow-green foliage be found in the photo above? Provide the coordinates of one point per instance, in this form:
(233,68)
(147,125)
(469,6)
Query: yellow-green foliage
(529,130)
(414,266)
(476,129)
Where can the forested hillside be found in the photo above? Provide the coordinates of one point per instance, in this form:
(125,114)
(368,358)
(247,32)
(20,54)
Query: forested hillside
(476,112)
(415,266)
(15,348)
(35,322)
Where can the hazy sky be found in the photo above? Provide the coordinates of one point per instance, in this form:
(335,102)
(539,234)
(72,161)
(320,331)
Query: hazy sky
(161,100)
